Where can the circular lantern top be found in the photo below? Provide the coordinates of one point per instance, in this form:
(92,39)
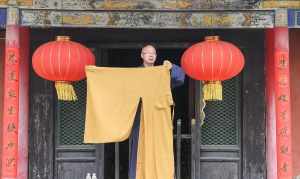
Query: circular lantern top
(62,61)
(212,60)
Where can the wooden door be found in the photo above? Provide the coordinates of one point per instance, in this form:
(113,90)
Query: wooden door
(56,146)
(217,142)
(231,142)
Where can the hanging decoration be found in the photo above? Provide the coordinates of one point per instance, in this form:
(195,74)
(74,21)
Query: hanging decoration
(62,61)
(212,61)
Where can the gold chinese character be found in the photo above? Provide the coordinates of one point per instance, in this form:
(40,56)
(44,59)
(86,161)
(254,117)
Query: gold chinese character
(11,127)
(283,81)
(283,115)
(284,167)
(282,62)
(12,76)
(282,98)
(11,110)
(284,149)
(12,93)
(12,58)
(283,132)
(11,162)
(10,145)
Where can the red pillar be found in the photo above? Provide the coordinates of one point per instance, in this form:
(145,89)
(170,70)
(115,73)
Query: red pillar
(11,103)
(270,110)
(2,48)
(295,96)
(23,104)
(15,114)
(279,104)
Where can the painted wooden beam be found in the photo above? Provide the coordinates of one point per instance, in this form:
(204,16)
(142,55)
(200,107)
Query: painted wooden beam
(280,4)
(134,4)
(148,19)
(153,4)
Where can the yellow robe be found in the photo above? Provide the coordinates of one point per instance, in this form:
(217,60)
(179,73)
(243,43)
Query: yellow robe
(113,95)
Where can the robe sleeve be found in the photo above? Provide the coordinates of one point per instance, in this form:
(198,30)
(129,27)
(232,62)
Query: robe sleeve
(177,76)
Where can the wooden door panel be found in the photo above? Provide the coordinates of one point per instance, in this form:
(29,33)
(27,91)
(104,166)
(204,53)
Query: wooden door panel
(74,170)
(253,114)
(218,139)
(219,170)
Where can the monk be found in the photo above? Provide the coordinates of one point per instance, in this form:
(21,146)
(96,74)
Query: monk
(148,55)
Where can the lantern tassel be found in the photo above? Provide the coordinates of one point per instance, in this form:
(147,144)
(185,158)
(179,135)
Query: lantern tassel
(212,91)
(65,91)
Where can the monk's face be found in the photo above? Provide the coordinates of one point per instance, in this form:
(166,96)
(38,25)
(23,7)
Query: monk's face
(148,55)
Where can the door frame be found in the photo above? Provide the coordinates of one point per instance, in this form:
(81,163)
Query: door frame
(252,93)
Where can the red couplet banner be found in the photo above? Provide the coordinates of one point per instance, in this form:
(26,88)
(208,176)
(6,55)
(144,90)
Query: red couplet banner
(10,113)
(283,115)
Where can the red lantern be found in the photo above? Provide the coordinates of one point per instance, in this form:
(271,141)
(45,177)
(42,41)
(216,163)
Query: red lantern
(212,61)
(62,61)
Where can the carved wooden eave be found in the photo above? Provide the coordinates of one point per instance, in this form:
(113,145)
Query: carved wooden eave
(134,4)
(148,19)
(157,14)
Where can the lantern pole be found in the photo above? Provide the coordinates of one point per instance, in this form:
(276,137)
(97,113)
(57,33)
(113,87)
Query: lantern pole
(14,157)
(279,139)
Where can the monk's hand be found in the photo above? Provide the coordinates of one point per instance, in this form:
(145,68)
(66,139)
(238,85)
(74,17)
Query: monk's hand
(167,64)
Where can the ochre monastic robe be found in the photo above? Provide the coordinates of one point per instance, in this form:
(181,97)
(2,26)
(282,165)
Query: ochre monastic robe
(113,95)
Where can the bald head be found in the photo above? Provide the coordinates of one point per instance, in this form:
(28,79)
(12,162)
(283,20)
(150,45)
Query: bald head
(148,54)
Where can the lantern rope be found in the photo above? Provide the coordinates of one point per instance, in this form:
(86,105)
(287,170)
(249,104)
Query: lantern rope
(202,113)
(65,91)
(212,90)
